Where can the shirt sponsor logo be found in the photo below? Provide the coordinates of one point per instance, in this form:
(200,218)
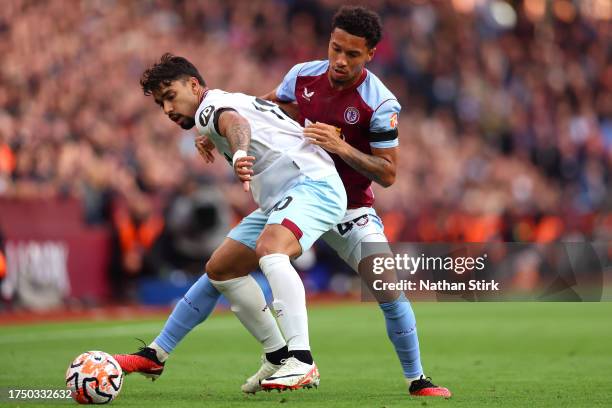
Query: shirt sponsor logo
(351,115)
(307,95)
(205,115)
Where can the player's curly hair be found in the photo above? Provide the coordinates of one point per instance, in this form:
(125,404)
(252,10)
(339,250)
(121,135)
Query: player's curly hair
(169,68)
(359,21)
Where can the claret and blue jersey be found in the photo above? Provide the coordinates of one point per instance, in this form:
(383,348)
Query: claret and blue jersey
(366,113)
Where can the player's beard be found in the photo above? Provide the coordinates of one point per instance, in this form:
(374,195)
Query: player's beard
(184,121)
(187,122)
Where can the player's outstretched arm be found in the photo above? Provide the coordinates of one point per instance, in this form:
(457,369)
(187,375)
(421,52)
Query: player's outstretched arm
(238,133)
(380,166)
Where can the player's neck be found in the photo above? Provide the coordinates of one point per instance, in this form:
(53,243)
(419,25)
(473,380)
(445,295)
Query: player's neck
(202,93)
(341,86)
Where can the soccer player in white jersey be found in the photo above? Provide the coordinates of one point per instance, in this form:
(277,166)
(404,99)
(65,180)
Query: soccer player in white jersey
(300,197)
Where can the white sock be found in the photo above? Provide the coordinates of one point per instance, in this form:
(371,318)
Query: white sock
(249,305)
(162,355)
(410,380)
(289,299)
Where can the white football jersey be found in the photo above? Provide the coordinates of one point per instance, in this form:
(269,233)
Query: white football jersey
(282,153)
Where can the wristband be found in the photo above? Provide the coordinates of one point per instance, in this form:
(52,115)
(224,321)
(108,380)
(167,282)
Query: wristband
(238,155)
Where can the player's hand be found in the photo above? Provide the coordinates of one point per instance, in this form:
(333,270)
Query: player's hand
(205,148)
(243,169)
(326,136)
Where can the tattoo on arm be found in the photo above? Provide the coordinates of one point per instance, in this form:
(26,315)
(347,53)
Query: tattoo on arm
(378,169)
(237,131)
(239,136)
(368,165)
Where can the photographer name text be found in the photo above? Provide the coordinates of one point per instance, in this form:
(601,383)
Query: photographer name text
(441,285)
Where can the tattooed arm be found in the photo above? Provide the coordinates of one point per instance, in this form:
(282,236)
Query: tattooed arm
(238,133)
(235,128)
(380,166)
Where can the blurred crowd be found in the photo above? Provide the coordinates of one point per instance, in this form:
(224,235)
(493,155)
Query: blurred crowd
(506,127)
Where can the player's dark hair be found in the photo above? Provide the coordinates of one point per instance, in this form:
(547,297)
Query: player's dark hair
(360,22)
(168,69)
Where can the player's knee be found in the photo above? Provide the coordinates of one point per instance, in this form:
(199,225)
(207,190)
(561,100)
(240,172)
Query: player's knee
(263,248)
(219,270)
(267,246)
(212,270)
(216,271)
(277,243)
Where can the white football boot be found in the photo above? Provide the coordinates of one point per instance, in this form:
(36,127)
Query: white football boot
(292,375)
(251,386)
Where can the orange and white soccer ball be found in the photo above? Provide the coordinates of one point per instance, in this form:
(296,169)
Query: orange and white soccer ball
(94,377)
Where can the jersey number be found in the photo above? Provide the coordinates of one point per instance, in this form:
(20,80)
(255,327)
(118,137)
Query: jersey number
(347,226)
(266,106)
(282,204)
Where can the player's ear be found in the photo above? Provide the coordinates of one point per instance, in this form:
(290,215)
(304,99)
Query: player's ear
(193,81)
(371,52)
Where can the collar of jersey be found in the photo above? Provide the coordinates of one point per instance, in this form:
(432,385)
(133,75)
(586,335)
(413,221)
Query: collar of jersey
(364,74)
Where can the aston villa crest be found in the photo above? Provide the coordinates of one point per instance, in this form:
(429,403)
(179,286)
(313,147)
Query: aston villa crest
(351,115)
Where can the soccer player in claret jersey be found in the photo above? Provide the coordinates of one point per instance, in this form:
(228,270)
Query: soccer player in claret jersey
(349,112)
(300,197)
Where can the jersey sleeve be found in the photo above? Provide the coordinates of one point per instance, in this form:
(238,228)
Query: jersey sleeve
(207,120)
(286,90)
(383,125)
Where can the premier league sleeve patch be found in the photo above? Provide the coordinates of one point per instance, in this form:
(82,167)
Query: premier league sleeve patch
(393,121)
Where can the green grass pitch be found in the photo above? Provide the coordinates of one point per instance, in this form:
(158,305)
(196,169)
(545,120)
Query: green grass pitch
(488,354)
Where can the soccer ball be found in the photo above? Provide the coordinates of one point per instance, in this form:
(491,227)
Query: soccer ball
(94,377)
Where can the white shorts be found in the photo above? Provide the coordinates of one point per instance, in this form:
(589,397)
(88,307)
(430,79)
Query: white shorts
(308,209)
(359,225)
